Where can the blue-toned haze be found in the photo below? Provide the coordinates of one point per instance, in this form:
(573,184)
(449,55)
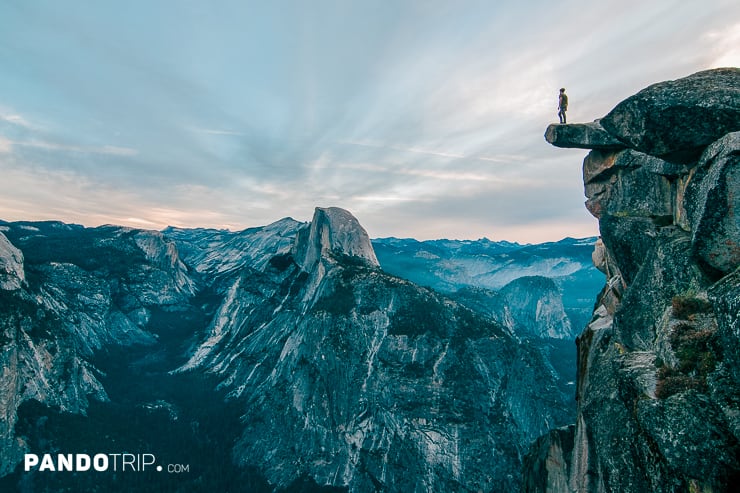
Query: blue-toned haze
(423,118)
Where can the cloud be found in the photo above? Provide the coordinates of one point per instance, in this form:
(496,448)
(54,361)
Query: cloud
(15,119)
(725,46)
(210,131)
(52,146)
(414,150)
(425,119)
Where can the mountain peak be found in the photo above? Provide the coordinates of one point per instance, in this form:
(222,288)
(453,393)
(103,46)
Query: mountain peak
(332,231)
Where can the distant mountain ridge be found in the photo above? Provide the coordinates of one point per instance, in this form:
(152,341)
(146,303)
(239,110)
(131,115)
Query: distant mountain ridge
(453,265)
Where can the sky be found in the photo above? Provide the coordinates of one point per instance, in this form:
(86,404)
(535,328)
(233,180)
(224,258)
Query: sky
(424,119)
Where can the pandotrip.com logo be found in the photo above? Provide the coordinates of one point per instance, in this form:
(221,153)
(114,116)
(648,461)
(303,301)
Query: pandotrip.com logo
(118,462)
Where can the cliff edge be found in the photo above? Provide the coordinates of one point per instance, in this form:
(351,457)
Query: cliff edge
(658,386)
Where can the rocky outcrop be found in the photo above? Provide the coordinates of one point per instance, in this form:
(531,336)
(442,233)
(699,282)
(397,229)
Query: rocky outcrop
(658,373)
(582,136)
(332,231)
(332,234)
(162,260)
(12,274)
(534,306)
(549,462)
(675,120)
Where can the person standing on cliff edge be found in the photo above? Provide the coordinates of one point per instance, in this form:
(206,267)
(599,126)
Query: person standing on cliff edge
(562,105)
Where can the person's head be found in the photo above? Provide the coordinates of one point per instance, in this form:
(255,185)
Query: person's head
(562,89)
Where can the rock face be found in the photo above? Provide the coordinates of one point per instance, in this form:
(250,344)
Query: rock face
(534,305)
(61,306)
(12,274)
(713,204)
(658,366)
(549,464)
(332,230)
(365,381)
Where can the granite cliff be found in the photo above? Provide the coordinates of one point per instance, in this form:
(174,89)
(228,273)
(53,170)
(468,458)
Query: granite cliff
(365,381)
(658,386)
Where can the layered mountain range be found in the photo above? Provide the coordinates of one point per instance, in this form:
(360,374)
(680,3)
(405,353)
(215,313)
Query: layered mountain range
(279,358)
(659,364)
(545,289)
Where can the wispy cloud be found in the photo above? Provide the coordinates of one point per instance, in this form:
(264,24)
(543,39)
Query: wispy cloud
(214,131)
(450,175)
(15,119)
(386,198)
(414,150)
(502,158)
(6,145)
